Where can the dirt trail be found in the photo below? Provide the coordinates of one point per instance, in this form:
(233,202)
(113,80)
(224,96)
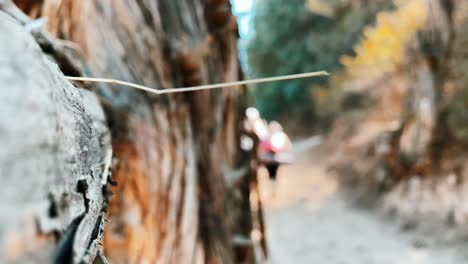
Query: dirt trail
(310,221)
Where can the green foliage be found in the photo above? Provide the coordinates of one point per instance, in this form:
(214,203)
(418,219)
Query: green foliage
(294,36)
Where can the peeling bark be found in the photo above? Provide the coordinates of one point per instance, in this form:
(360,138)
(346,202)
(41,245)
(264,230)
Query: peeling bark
(56,146)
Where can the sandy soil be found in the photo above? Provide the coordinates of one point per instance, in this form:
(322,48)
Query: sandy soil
(309,220)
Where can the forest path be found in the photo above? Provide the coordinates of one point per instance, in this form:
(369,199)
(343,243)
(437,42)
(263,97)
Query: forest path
(309,220)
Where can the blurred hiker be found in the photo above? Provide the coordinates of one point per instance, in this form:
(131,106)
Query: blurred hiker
(274,149)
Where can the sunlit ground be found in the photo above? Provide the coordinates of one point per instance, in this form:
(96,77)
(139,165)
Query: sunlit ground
(309,221)
(308,186)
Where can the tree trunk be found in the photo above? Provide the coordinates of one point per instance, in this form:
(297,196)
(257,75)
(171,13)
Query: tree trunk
(175,154)
(419,141)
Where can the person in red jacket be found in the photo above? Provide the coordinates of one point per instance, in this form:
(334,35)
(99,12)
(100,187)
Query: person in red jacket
(274,149)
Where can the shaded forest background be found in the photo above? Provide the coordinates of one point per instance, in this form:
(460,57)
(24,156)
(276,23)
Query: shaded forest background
(300,36)
(359,42)
(396,106)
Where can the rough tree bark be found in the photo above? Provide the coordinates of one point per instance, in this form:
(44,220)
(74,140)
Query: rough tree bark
(55,157)
(180,194)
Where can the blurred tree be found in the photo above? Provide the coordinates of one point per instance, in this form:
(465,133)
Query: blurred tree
(419,37)
(299,36)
